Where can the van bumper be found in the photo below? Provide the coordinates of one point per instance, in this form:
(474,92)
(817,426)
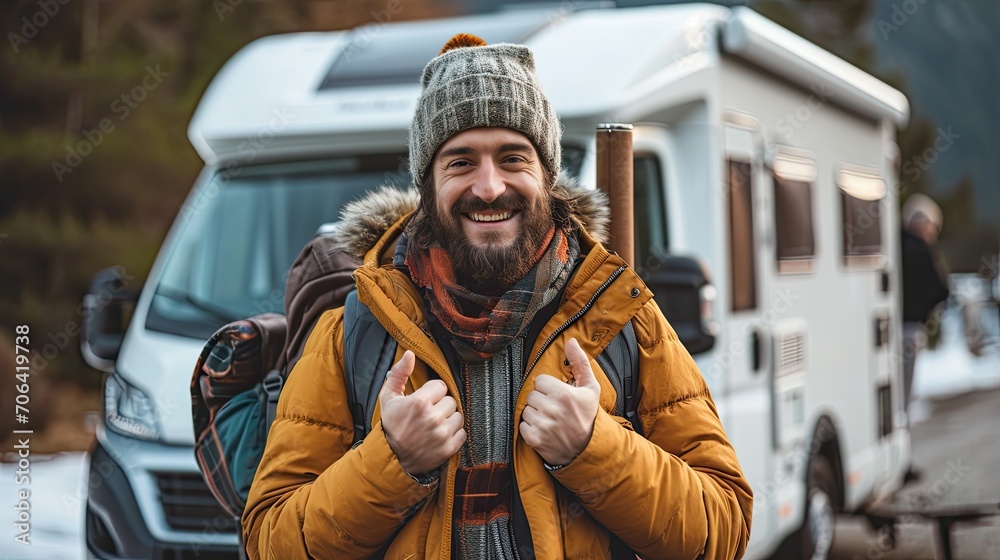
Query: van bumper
(148,500)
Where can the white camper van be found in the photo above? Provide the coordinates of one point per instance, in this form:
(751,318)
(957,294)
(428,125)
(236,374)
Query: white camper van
(758,155)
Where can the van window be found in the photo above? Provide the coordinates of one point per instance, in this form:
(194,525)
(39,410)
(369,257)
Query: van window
(861,194)
(650,210)
(241,232)
(793,213)
(742,266)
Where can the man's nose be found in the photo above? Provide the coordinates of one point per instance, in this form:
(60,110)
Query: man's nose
(489,182)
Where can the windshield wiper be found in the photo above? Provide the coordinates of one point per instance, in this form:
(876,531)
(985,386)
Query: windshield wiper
(217,311)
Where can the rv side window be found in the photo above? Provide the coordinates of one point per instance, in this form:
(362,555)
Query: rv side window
(742,267)
(650,211)
(793,213)
(861,194)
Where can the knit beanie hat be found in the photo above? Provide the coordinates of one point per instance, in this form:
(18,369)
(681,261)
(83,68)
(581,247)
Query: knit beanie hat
(471,84)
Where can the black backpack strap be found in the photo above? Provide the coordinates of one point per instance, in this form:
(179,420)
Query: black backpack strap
(620,361)
(368,354)
(632,377)
(272,384)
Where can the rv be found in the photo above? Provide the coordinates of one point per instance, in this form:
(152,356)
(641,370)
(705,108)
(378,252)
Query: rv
(764,170)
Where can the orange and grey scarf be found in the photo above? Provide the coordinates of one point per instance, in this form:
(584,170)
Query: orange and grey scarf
(480,324)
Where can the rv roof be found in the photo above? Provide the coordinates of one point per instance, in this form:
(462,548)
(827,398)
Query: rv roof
(397,54)
(315,92)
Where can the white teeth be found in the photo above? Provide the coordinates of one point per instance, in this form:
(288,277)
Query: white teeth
(490,218)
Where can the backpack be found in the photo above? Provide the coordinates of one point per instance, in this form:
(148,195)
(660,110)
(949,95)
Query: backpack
(243,366)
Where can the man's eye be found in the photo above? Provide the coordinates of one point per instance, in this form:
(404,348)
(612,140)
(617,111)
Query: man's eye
(513,159)
(458,163)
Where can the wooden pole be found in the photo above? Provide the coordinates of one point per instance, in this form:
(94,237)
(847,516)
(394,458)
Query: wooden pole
(614,177)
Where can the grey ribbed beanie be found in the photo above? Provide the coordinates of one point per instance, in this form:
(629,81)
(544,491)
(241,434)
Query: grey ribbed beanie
(472,84)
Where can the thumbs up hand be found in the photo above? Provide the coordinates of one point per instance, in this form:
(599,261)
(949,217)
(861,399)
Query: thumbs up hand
(424,429)
(559,417)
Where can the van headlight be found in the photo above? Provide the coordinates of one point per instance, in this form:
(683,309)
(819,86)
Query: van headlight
(128,410)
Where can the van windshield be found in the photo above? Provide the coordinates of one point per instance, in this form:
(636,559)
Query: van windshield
(243,229)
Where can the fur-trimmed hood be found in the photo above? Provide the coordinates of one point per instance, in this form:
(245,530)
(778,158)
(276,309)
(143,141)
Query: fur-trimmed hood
(364,221)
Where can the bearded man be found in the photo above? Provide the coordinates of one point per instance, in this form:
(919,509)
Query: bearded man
(495,434)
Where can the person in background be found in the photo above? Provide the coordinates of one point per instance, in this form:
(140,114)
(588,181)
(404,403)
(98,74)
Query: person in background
(924,284)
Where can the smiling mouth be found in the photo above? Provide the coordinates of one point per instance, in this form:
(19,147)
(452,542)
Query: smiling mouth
(478,217)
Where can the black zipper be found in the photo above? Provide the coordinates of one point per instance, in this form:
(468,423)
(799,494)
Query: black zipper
(548,341)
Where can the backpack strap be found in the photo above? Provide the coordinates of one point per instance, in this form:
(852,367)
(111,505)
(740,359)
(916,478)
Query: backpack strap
(620,361)
(368,354)
(272,384)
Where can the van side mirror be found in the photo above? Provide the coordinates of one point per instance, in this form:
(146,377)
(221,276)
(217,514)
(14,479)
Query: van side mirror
(684,292)
(107,310)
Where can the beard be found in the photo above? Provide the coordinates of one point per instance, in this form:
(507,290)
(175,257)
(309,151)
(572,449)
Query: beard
(494,264)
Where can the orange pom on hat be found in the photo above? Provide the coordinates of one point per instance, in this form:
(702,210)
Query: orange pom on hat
(462,40)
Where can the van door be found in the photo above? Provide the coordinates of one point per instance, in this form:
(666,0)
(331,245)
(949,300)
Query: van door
(742,358)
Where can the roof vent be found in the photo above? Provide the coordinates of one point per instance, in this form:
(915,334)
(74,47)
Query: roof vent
(390,54)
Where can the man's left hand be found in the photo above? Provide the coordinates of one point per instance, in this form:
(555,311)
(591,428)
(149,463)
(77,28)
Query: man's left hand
(559,417)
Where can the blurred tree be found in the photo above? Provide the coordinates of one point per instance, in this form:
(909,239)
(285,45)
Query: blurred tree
(94,155)
(839,26)
(968,246)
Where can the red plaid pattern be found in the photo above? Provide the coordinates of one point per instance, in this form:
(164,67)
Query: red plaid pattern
(482,493)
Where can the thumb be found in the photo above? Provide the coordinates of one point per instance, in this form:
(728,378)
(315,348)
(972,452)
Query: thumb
(579,363)
(395,380)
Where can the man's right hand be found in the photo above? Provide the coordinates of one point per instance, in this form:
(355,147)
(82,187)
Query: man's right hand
(424,428)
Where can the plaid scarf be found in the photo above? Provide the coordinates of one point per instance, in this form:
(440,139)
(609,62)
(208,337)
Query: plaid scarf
(490,323)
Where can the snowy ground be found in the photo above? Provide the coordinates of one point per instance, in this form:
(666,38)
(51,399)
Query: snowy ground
(952,369)
(57,482)
(57,496)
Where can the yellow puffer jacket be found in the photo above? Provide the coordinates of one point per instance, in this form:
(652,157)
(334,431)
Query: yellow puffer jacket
(678,494)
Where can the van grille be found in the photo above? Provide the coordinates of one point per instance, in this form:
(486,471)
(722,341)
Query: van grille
(791,354)
(190,506)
